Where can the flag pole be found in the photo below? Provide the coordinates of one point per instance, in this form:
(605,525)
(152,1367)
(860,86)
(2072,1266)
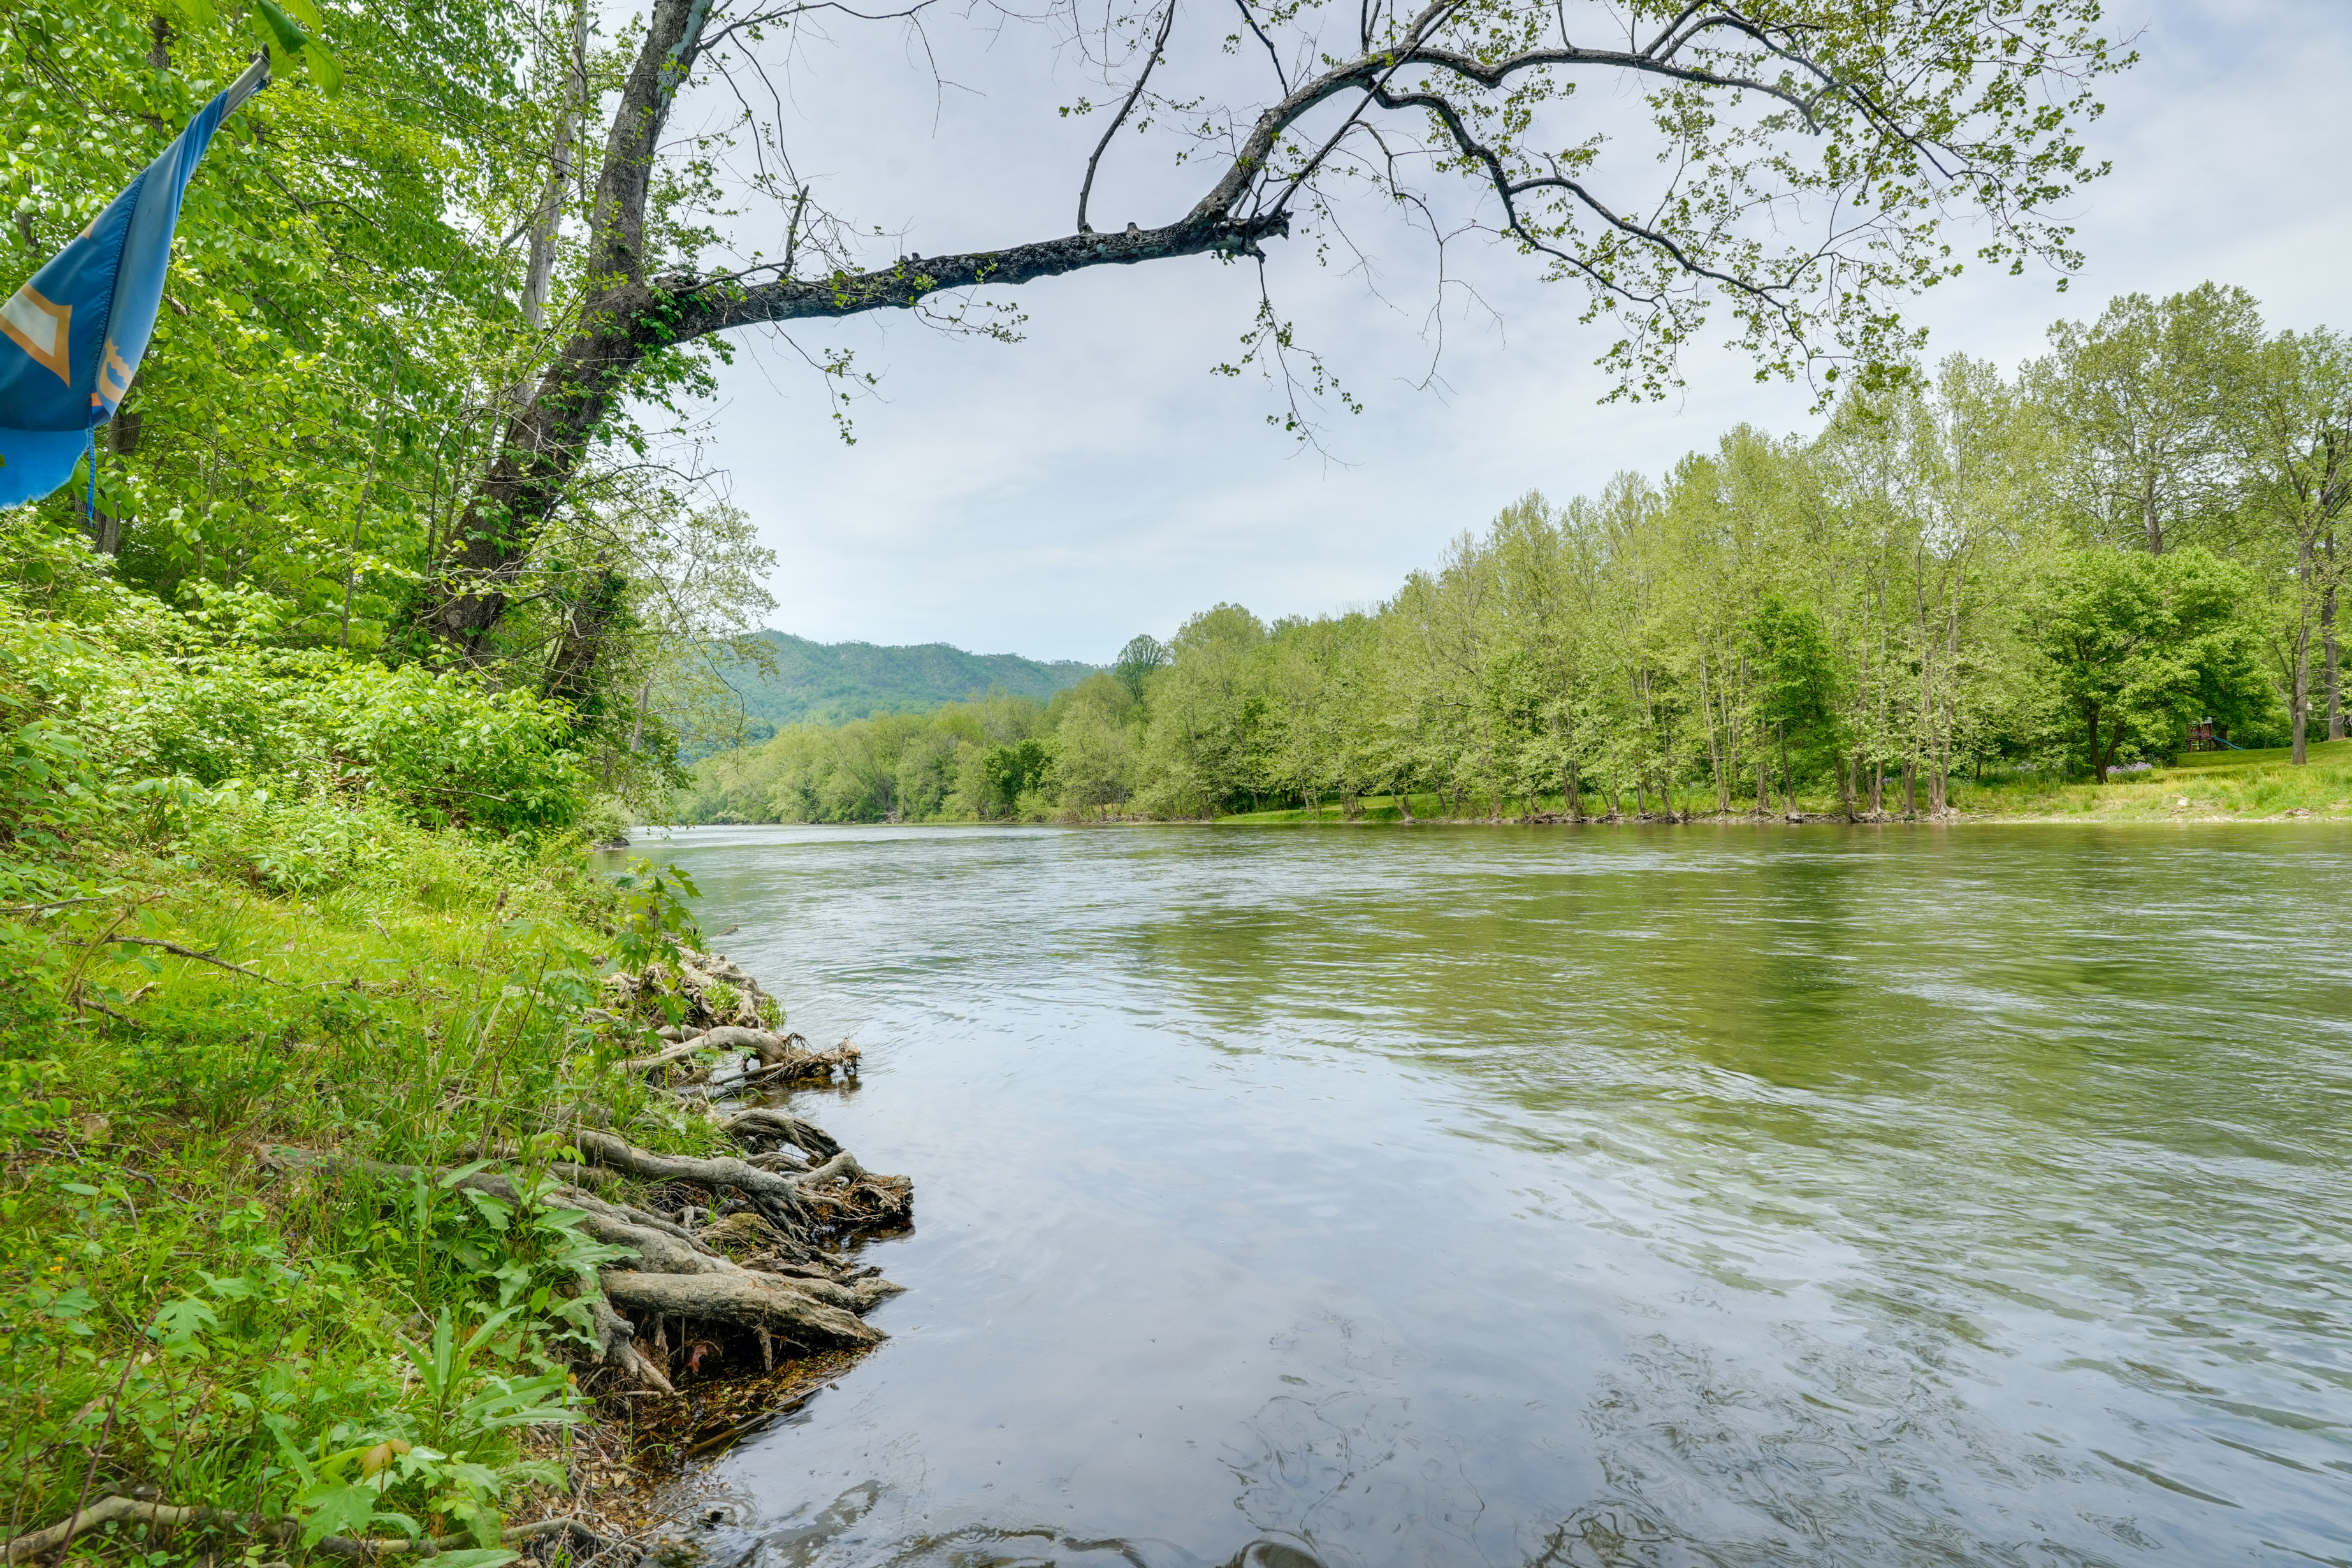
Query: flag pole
(256,77)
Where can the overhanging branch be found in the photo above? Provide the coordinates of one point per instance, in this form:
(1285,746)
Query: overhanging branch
(907,282)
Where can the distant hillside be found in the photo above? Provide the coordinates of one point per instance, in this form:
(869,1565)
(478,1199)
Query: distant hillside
(825,683)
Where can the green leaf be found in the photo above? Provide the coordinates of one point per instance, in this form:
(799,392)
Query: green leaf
(325,69)
(462,1171)
(477,1557)
(284,33)
(336,1509)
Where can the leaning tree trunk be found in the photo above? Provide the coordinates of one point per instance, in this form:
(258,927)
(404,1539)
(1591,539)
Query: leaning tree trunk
(625,318)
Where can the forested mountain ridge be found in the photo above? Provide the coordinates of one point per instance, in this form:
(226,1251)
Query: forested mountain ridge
(814,682)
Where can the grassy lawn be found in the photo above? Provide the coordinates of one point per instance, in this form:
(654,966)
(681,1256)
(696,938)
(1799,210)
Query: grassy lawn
(2244,785)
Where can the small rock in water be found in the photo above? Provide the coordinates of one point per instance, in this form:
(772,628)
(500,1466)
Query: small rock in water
(1272,1554)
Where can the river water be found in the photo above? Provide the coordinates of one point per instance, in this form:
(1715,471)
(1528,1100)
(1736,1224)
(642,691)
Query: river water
(1667,1197)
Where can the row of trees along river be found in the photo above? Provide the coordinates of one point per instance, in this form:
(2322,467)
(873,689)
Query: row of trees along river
(2057,572)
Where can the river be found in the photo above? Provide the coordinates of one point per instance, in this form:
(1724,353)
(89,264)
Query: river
(1660,1196)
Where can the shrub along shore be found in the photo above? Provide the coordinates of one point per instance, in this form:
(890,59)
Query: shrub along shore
(376,1180)
(2203,787)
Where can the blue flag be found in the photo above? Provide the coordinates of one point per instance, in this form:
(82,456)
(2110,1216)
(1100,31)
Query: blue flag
(71,338)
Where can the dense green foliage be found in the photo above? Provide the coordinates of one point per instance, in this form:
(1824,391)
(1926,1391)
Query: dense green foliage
(2053,574)
(805,682)
(341,344)
(257,895)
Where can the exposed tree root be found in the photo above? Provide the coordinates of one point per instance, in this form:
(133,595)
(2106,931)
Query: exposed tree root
(713,990)
(782,1059)
(677,1275)
(758,1287)
(678,1053)
(763,1121)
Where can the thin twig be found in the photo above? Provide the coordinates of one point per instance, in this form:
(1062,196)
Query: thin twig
(52,904)
(184,952)
(1167,20)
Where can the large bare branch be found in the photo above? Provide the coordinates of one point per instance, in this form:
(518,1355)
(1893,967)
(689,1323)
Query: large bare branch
(1893,86)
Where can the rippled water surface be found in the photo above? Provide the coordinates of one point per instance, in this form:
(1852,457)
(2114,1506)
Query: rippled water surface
(1674,1197)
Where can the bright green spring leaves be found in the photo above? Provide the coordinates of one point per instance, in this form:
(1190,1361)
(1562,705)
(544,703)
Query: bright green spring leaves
(291,40)
(296,433)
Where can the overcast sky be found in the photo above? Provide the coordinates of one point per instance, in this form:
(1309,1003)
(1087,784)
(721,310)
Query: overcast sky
(1055,497)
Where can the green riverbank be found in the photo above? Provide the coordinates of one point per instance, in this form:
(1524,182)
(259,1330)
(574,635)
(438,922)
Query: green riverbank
(341,1215)
(2203,787)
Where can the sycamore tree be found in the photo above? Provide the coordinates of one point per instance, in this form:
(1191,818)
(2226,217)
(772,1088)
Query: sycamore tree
(2139,645)
(2292,434)
(2144,403)
(1794,169)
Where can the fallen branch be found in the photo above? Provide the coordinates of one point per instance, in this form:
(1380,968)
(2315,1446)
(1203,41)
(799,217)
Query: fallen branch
(182,951)
(166,1516)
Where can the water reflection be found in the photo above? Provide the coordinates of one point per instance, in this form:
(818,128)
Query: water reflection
(1656,1198)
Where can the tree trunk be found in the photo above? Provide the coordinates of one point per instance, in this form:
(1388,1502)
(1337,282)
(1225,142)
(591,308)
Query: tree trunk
(1763,782)
(2335,677)
(1910,786)
(1847,767)
(1877,789)
(1715,761)
(2299,709)
(1788,775)
(1575,796)
(627,318)
(586,627)
(538,275)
